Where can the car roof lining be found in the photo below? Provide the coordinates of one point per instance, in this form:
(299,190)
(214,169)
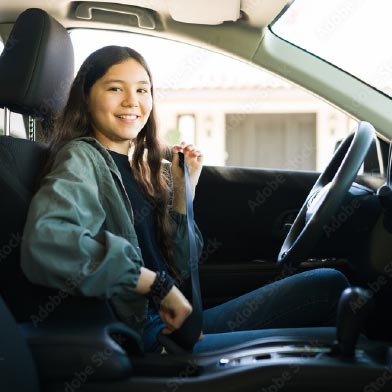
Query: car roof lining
(259,13)
(247,31)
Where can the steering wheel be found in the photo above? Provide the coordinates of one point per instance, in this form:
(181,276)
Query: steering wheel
(326,196)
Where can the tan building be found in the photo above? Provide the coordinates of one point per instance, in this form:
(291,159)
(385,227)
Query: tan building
(241,116)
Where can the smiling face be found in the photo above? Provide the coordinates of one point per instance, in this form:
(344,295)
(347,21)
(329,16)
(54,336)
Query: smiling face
(120,103)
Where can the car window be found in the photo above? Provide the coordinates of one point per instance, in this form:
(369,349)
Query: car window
(353,35)
(16,124)
(238,114)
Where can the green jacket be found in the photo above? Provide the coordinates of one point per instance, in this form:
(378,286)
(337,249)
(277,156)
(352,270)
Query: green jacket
(79,235)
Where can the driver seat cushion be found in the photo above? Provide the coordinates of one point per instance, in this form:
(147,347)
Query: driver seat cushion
(14,356)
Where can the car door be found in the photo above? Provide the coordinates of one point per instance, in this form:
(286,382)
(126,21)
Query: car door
(245,214)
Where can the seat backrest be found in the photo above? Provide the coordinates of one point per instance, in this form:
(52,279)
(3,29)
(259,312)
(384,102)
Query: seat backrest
(36,72)
(16,188)
(36,65)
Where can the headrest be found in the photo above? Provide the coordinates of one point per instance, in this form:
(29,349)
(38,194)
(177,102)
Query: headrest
(36,66)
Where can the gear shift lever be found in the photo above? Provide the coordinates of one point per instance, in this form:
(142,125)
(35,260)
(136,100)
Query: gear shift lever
(354,306)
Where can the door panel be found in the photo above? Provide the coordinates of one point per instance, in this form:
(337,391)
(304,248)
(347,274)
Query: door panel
(241,213)
(244,210)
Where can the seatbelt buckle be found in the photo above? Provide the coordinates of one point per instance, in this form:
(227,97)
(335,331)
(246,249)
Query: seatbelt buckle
(169,345)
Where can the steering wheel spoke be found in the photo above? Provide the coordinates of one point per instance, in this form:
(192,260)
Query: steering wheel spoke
(326,196)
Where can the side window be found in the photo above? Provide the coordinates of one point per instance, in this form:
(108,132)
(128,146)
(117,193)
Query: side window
(238,114)
(186,125)
(17,125)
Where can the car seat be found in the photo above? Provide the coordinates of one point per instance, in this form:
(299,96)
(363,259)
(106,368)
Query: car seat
(36,72)
(14,356)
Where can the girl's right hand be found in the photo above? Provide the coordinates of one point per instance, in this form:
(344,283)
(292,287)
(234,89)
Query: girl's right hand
(174,309)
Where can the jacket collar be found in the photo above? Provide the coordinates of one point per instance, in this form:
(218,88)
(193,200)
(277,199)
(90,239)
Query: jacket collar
(104,152)
(112,165)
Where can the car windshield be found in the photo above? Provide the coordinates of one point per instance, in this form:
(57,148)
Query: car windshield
(353,35)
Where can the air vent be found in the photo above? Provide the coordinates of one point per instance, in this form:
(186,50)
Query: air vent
(110,13)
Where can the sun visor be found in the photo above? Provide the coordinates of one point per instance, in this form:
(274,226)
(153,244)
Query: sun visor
(209,12)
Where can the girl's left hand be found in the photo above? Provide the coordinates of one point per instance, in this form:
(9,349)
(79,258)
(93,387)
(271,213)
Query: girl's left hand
(194,161)
(193,158)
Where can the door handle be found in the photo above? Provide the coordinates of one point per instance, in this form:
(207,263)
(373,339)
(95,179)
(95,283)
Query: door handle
(145,20)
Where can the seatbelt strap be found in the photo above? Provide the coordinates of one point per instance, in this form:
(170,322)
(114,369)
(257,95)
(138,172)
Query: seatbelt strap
(186,336)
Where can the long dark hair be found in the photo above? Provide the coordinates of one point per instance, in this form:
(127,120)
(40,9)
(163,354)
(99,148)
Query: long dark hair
(147,156)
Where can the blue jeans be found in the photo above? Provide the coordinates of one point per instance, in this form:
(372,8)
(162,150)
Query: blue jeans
(308,299)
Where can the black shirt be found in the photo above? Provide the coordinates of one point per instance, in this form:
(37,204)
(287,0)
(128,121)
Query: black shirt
(144,215)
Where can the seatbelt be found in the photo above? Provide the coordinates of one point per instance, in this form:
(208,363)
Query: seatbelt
(185,337)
